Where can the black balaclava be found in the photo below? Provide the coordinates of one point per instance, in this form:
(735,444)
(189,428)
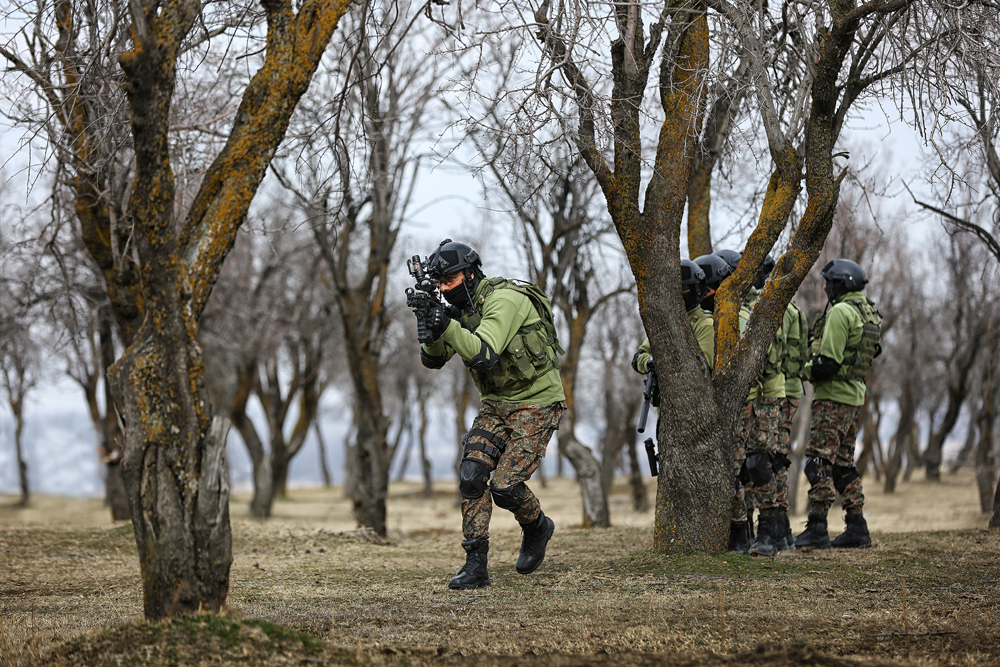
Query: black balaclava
(834,289)
(461,295)
(708,303)
(691,299)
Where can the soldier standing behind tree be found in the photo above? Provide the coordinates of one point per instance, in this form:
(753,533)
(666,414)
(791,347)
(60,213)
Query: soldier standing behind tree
(504,332)
(846,339)
(759,429)
(693,291)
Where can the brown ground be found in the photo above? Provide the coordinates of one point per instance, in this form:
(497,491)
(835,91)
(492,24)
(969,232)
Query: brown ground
(69,590)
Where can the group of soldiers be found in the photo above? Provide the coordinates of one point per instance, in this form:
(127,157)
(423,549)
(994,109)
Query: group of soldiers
(834,356)
(504,332)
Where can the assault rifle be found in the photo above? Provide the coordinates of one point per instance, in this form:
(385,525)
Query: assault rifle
(421,297)
(650,395)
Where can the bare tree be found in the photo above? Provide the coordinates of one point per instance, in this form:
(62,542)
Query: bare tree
(160,263)
(19,372)
(835,53)
(353,185)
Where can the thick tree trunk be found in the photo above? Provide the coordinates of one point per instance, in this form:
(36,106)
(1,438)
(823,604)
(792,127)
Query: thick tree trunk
(175,470)
(935,445)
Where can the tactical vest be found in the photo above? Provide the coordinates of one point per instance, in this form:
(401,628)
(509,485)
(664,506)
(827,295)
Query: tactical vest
(531,353)
(797,347)
(858,359)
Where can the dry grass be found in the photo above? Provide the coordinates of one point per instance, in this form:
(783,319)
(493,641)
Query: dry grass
(70,595)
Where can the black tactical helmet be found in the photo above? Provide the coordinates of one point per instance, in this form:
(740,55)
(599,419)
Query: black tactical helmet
(716,269)
(846,272)
(450,258)
(691,273)
(693,277)
(765,271)
(732,257)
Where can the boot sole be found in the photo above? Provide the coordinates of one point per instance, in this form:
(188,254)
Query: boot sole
(552,529)
(478,584)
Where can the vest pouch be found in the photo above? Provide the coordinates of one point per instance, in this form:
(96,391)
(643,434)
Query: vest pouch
(521,368)
(535,344)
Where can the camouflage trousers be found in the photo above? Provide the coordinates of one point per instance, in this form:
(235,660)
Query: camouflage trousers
(758,432)
(525,431)
(830,457)
(788,407)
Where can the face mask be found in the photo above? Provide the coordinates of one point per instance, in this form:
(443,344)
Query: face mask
(834,290)
(458,296)
(708,303)
(690,299)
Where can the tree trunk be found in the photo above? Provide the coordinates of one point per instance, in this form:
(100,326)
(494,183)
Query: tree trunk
(797,447)
(904,430)
(17,407)
(968,447)
(116,496)
(422,439)
(323,465)
(174,468)
(995,516)
(588,475)
(640,501)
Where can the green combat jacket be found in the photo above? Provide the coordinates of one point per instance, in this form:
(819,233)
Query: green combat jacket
(849,333)
(508,321)
(704,333)
(796,349)
(771,379)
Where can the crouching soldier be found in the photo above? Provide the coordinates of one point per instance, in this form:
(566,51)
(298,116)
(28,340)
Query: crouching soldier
(504,332)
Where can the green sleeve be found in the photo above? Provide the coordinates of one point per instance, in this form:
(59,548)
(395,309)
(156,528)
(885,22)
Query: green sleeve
(643,356)
(704,333)
(836,332)
(439,349)
(504,312)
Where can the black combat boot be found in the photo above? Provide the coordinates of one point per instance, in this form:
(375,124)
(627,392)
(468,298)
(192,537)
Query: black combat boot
(739,537)
(473,574)
(535,536)
(785,543)
(815,536)
(856,536)
(766,543)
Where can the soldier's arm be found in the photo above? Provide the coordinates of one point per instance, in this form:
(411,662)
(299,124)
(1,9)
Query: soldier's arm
(436,354)
(641,359)
(834,344)
(503,314)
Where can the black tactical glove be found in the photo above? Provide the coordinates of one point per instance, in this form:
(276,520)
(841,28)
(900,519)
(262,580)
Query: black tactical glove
(437,319)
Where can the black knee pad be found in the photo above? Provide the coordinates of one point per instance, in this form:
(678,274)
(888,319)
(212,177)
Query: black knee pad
(743,476)
(759,467)
(816,469)
(842,476)
(473,478)
(509,498)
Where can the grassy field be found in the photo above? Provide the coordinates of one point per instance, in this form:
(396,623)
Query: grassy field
(309,589)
